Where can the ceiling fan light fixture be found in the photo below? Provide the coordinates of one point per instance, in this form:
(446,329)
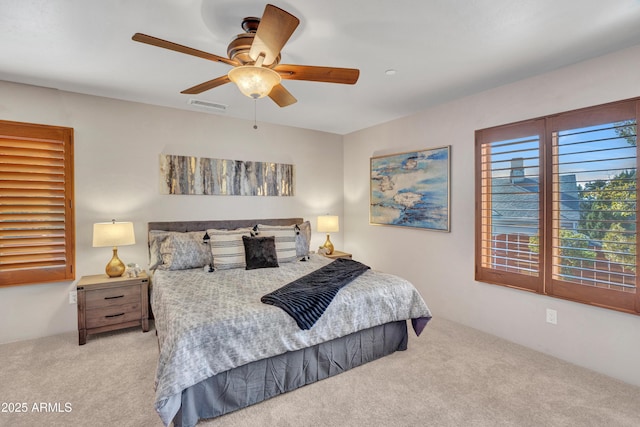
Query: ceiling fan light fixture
(261,44)
(254,82)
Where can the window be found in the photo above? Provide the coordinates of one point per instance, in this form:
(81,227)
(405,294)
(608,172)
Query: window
(556,208)
(37,240)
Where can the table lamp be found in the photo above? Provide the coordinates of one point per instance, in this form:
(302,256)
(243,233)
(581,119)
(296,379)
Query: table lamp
(113,234)
(328,224)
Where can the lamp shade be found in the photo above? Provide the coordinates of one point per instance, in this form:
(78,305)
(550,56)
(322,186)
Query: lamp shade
(113,234)
(328,224)
(254,82)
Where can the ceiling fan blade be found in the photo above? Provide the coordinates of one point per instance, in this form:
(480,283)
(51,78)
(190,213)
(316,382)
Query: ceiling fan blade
(202,87)
(276,26)
(281,96)
(154,41)
(318,74)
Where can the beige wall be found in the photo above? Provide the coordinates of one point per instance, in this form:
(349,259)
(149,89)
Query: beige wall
(441,265)
(117,148)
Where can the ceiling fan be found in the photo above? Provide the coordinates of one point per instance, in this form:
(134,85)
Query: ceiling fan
(255,56)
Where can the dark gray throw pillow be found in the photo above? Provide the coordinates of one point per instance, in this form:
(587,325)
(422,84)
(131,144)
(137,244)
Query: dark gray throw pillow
(260,252)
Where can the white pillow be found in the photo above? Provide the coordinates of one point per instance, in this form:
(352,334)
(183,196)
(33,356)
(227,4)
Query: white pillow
(227,248)
(285,240)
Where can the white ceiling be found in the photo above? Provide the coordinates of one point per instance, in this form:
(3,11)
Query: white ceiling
(441,50)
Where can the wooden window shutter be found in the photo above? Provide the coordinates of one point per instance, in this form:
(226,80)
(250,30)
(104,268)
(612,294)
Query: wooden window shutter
(509,201)
(37,230)
(556,205)
(592,253)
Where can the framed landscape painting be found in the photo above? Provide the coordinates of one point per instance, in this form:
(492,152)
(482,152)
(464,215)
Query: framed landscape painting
(411,189)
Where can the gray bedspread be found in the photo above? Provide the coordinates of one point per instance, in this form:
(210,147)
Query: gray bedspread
(305,299)
(208,323)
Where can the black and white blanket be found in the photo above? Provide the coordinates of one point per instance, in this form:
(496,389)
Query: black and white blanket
(306,299)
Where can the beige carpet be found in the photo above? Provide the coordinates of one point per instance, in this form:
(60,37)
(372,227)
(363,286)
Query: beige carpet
(450,376)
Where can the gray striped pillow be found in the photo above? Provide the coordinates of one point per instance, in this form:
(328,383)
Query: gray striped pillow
(285,240)
(227,248)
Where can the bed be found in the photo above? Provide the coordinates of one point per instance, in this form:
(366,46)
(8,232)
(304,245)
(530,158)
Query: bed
(222,349)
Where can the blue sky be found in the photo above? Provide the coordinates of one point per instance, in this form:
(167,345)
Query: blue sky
(580,150)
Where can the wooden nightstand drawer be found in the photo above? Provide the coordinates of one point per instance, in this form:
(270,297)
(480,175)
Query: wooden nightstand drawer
(105,316)
(112,296)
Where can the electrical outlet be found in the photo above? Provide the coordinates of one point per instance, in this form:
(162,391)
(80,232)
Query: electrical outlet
(552,316)
(73,297)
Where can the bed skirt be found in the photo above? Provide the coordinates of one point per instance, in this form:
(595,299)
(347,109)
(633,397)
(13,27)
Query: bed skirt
(260,380)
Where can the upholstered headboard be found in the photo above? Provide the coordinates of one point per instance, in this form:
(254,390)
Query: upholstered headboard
(156,230)
(231,224)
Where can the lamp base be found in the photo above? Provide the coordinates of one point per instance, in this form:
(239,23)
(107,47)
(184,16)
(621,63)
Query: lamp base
(328,246)
(115,267)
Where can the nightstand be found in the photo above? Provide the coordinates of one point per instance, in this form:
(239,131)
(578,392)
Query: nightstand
(107,304)
(338,254)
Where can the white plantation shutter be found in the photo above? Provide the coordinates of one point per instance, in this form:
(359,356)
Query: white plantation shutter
(37,242)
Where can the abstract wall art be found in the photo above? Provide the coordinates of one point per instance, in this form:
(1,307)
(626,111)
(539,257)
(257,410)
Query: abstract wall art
(411,189)
(200,175)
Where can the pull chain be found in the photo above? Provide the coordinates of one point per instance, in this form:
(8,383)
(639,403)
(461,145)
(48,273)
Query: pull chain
(255,122)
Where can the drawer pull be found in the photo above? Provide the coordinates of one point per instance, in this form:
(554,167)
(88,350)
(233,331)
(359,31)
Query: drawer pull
(119,296)
(115,315)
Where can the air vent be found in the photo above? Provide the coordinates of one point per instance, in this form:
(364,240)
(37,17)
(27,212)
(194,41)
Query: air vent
(221,108)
